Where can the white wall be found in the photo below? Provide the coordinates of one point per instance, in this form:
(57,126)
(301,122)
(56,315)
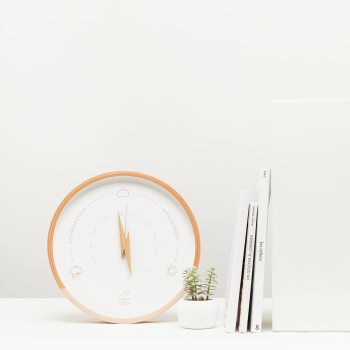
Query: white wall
(176,89)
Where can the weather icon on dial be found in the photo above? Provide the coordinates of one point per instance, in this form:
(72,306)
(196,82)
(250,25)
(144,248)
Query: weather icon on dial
(76,271)
(123,193)
(171,270)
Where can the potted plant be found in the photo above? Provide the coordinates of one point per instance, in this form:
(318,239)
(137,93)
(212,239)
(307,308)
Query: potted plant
(198,310)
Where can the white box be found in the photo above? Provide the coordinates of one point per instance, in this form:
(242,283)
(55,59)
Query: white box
(310,197)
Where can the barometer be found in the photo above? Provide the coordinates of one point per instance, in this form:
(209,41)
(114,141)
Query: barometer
(118,244)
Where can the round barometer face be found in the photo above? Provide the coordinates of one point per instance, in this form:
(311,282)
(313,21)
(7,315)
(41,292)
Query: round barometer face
(118,244)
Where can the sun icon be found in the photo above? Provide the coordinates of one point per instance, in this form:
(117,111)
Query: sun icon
(171,270)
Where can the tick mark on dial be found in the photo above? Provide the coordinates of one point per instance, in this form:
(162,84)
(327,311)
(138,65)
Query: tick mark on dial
(136,194)
(100,198)
(105,219)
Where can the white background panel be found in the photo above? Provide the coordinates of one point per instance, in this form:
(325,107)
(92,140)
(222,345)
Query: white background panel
(179,90)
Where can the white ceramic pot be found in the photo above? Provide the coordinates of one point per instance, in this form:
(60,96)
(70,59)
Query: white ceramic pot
(197,314)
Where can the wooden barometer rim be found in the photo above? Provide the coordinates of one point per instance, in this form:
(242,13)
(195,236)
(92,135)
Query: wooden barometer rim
(65,202)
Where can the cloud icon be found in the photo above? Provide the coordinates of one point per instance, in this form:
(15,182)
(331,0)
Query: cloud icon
(123,193)
(76,271)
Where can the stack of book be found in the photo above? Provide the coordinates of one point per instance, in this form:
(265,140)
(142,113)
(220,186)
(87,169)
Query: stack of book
(245,284)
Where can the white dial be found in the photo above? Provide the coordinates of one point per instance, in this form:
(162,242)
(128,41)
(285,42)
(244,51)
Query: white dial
(120,245)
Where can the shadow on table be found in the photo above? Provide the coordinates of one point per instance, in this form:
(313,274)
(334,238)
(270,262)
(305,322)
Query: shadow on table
(169,316)
(267,321)
(84,318)
(73,318)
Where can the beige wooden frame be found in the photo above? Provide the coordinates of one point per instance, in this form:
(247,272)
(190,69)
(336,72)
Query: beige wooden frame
(65,202)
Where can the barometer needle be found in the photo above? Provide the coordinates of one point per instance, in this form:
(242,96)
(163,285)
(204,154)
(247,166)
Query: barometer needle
(124,243)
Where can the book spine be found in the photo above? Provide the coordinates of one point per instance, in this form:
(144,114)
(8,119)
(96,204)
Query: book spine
(260,253)
(248,268)
(236,262)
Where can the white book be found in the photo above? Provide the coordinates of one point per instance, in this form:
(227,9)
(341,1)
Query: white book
(236,263)
(248,268)
(255,318)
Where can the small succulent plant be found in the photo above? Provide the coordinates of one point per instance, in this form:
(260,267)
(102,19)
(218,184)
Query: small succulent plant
(209,285)
(194,288)
(192,283)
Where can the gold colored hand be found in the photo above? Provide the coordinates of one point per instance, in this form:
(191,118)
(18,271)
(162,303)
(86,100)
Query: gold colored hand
(124,244)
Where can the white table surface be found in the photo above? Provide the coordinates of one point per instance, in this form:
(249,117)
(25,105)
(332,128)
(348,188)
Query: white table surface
(57,324)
